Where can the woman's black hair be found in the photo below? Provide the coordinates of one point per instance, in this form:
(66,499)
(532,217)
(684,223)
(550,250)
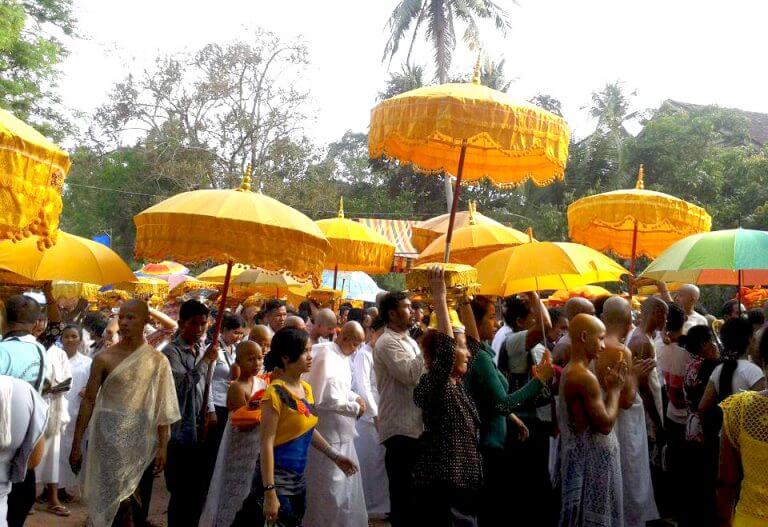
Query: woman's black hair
(756,316)
(735,335)
(556,313)
(675,317)
(697,337)
(232,322)
(356,314)
(515,308)
(480,307)
(288,343)
(305,310)
(762,348)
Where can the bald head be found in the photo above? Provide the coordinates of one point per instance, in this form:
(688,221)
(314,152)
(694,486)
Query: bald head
(577,306)
(133,316)
(293,321)
(261,335)
(324,324)
(587,337)
(617,316)
(351,337)
(687,297)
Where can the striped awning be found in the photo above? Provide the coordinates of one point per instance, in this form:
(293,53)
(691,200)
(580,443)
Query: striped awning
(398,232)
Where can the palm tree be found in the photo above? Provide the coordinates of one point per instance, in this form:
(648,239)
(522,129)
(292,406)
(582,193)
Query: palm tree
(438,18)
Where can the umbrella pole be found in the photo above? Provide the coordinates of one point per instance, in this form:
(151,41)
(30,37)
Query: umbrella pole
(632,260)
(335,274)
(455,204)
(215,341)
(741,281)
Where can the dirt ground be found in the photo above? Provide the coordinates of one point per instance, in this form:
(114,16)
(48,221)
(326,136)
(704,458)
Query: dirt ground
(157,514)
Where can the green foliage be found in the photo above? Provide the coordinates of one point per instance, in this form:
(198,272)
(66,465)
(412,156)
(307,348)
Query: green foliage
(30,50)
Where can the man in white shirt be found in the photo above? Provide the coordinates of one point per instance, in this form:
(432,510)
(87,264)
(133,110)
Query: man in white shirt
(370,451)
(23,415)
(501,334)
(398,365)
(332,497)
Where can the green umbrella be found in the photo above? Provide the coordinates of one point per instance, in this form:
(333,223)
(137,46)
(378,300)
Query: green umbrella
(729,257)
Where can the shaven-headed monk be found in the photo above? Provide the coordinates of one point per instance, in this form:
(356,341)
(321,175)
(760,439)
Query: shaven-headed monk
(131,399)
(590,459)
(323,327)
(574,306)
(639,503)
(332,497)
(262,336)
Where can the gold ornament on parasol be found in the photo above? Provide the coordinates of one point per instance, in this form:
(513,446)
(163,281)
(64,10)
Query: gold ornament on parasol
(32,172)
(634,222)
(473,242)
(473,132)
(355,246)
(145,287)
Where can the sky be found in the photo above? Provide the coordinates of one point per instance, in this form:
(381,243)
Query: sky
(706,52)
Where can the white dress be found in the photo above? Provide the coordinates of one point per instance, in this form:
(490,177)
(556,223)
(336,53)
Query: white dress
(639,503)
(81,369)
(590,475)
(57,371)
(369,449)
(235,466)
(333,499)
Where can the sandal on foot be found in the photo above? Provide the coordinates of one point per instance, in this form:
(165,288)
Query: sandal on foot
(58,510)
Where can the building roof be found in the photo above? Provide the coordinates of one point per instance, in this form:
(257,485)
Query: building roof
(757,122)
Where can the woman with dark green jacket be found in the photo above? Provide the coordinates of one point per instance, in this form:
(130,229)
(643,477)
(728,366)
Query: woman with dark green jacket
(488,388)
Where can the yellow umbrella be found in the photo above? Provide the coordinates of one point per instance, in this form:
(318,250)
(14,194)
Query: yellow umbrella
(427,231)
(32,172)
(73,258)
(355,246)
(191,284)
(473,242)
(144,286)
(229,226)
(63,290)
(586,291)
(254,281)
(634,222)
(473,132)
(540,266)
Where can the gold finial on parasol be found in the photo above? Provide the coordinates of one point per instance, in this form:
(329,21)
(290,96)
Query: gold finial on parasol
(341,206)
(472,209)
(530,234)
(245,186)
(640,185)
(477,72)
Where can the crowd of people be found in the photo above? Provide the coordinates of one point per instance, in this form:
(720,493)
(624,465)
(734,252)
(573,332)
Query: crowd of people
(455,411)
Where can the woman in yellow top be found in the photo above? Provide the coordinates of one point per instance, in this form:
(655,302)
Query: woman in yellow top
(287,429)
(744,456)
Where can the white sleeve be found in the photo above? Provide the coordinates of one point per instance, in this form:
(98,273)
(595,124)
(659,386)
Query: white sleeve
(328,392)
(363,384)
(752,373)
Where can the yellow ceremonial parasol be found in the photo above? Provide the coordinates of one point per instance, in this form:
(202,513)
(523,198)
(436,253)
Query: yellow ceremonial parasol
(229,226)
(471,131)
(73,258)
(541,266)
(144,286)
(63,290)
(427,231)
(591,292)
(355,246)
(32,172)
(634,222)
(247,281)
(473,242)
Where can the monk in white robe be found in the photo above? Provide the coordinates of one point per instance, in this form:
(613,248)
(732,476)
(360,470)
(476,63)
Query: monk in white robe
(131,400)
(80,365)
(333,499)
(369,449)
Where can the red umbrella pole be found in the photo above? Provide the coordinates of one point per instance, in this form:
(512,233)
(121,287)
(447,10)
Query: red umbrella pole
(335,274)
(632,260)
(215,341)
(741,281)
(455,204)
